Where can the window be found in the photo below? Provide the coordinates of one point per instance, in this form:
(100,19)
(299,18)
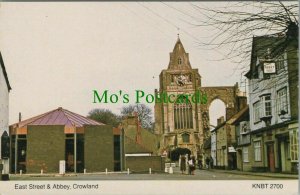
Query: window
(183,114)
(266,106)
(179,61)
(280,63)
(256,111)
(244,127)
(257,151)
(282,107)
(185,138)
(294,146)
(245,154)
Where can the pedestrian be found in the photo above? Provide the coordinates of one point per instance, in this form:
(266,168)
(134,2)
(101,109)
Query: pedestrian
(191,166)
(182,164)
(200,164)
(207,162)
(211,162)
(194,165)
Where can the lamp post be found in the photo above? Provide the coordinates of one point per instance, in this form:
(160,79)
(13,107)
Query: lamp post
(75,150)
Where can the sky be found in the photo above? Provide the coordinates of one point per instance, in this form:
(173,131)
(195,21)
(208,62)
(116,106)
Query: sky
(56,54)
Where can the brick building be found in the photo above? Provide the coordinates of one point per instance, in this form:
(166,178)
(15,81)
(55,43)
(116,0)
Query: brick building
(39,143)
(140,147)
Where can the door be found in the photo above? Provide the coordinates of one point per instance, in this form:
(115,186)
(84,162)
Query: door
(271,158)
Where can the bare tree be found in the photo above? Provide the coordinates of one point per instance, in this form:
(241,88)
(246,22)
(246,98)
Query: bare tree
(234,25)
(144,114)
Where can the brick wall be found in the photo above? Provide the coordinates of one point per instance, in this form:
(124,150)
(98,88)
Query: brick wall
(143,163)
(98,148)
(45,148)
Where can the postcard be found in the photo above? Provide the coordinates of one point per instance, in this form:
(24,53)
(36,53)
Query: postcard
(140,97)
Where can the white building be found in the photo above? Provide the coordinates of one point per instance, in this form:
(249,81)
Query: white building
(214,146)
(4,90)
(273,104)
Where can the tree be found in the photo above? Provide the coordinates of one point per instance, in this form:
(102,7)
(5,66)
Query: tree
(234,26)
(104,116)
(144,114)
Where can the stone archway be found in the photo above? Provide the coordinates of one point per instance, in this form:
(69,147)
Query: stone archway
(217,109)
(228,95)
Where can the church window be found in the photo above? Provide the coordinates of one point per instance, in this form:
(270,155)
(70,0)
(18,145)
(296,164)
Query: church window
(183,114)
(185,138)
(179,61)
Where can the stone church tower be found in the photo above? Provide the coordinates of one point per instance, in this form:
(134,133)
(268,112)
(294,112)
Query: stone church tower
(185,124)
(179,122)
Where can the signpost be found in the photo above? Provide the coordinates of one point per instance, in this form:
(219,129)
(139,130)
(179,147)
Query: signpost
(269,68)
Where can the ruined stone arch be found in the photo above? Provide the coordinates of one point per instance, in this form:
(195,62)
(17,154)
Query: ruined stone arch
(227,94)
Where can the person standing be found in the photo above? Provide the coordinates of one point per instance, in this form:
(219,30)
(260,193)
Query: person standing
(191,165)
(194,165)
(211,162)
(182,164)
(207,162)
(200,164)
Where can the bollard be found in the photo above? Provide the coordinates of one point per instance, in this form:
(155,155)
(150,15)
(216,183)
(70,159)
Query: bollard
(42,171)
(106,171)
(84,171)
(21,172)
(127,171)
(150,171)
(171,170)
(166,170)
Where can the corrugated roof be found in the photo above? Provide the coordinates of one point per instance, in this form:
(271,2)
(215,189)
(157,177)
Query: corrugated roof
(58,116)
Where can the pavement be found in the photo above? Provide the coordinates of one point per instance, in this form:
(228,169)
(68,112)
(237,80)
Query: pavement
(212,174)
(265,174)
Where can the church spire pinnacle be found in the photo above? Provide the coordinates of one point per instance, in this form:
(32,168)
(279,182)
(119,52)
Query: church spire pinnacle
(179,59)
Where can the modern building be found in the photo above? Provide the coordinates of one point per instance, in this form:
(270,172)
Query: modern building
(41,142)
(273,103)
(4,98)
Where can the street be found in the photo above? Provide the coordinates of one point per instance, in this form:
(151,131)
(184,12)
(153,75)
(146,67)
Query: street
(199,175)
